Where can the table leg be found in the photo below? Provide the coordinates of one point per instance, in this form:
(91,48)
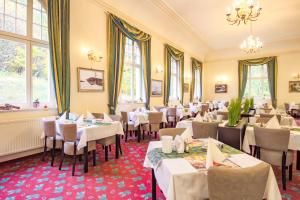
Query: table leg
(153,185)
(298,160)
(85,151)
(139,134)
(117,145)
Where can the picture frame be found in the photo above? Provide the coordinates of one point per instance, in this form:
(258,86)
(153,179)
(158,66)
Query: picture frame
(294,86)
(90,80)
(221,88)
(156,88)
(186,87)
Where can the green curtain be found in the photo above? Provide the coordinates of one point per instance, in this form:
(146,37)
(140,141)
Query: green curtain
(243,77)
(196,65)
(171,52)
(272,73)
(59,43)
(118,31)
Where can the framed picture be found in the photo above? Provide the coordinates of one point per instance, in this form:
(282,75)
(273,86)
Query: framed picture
(90,80)
(294,86)
(186,87)
(221,88)
(156,88)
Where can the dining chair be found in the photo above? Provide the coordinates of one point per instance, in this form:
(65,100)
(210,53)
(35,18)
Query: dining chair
(52,140)
(272,147)
(266,110)
(70,142)
(155,121)
(265,115)
(172,116)
(237,183)
(204,108)
(171,132)
(287,108)
(205,129)
(128,125)
(98,115)
(224,114)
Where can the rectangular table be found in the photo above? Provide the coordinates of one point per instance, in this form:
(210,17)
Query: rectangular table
(177,176)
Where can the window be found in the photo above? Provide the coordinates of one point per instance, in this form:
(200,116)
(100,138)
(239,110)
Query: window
(175,80)
(197,86)
(24,54)
(257,83)
(132,83)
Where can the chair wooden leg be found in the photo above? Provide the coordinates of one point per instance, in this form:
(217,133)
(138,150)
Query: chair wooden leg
(143,134)
(106,153)
(62,156)
(53,151)
(109,148)
(126,135)
(45,149)
(291,172)
(155,134)
(94,157)
(120,148)
(74,160)
(283,170)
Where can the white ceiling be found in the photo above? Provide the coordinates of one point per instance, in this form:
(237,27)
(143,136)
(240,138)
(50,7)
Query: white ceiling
(201,24)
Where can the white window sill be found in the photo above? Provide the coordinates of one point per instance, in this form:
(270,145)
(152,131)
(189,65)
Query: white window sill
(28,110)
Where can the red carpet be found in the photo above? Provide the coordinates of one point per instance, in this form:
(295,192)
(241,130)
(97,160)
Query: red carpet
(125,178)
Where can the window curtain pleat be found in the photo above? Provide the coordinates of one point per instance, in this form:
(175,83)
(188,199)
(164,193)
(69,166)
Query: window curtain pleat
(118,31)
(196,65)
(179,56)
(272,68)
(59,45)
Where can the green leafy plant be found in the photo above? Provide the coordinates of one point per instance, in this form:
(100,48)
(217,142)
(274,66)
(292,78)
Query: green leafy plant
(234,111)
(251,103)
(246,105)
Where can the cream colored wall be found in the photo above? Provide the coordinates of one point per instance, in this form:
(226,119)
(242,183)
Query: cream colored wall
(288,64)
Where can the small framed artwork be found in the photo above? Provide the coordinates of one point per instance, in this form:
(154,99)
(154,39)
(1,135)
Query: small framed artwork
(90,80)
(186,87)
(156,88)
(221,88)
(294,86)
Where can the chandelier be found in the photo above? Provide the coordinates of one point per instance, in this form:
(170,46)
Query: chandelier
(251,44)
(243,11)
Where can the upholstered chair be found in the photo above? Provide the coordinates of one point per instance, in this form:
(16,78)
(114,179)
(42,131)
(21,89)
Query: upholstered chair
(224,114)
(127,124)
(70,142)
(204,108)
(287,108)
(172,116)
(272,147)
(52,140)
(155,121)
(205,129)
(226,183)
(98,115)
(265,115)
(171,132)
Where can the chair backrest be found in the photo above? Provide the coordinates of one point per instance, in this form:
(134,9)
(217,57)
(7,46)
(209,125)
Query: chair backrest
(49,128)
(98,115)
(171,112)
(266,115)
(116,118)
(171,131)
(124,117)
(287,107)
(68,132)
(204,108)
(238,183)
(205,129)
(263,120)
(155,117)
(272,139)
(266,110)
(226,104)
(224,114)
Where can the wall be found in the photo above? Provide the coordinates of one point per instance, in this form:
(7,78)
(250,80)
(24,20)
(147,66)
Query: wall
(288,64)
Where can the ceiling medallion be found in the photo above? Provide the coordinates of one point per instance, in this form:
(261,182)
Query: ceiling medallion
(243,11)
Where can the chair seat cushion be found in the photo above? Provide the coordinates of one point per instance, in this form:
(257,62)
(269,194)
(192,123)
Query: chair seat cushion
(58,144)
(154,127)
(275,157)
(107,141)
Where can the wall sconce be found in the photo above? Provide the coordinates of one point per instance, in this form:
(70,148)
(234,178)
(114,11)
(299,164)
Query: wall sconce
(221,79)
(159,69)
(296,76)
(94,56)
(187,77)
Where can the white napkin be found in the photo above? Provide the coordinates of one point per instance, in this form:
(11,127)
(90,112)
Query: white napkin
(154,109)
(225,109)
(89,115)
(179,144)
(213,154)
(80,119)
(63,117)
(187,134)
(106,118)
(273,123)
(198,118)
(180,106)
(219,118)
(73,116)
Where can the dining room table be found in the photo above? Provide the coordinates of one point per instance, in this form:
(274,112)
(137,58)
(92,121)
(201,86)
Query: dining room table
(184,175)
(92,130)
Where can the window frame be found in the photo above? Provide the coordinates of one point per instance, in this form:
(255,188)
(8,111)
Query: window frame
(29,42)
(197,85)
(176,74)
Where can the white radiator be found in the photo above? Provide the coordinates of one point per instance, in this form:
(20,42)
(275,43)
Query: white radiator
(19,137)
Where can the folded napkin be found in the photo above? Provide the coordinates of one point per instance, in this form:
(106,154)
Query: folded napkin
(225,109)
(179,144)
(273,123)
(213,154)
(73,116)
(63,117)
(80,119)
(106,118)
(89,115)
(219,118)
(187,134)
(154,109)
(198,118)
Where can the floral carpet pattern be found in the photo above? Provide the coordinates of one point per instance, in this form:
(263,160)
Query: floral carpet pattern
(124,178)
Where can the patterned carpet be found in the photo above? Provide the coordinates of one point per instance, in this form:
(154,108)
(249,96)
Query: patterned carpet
(125,178)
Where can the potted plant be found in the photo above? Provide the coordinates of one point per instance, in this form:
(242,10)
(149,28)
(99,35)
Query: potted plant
(251,103)
(246,105)
(234,112)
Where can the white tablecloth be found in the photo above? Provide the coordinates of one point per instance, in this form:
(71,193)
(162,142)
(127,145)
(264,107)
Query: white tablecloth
(86,133)
(249,139)
(170,171)
(142,117)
